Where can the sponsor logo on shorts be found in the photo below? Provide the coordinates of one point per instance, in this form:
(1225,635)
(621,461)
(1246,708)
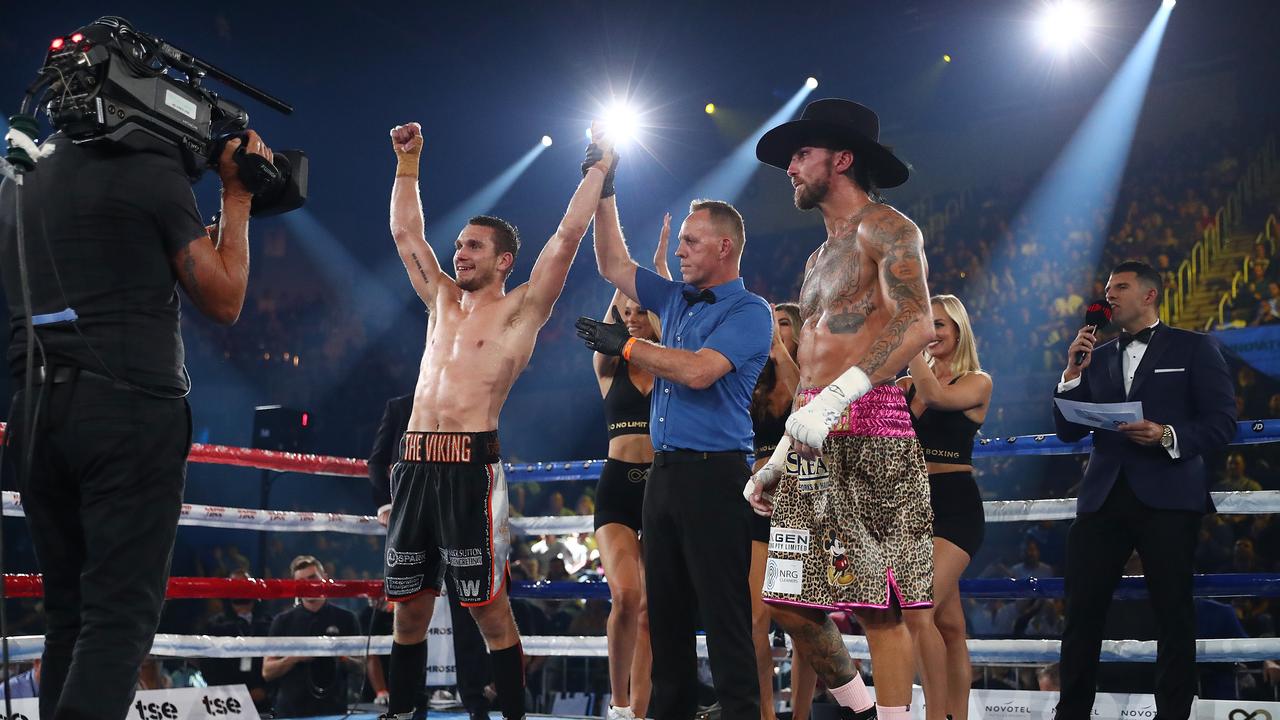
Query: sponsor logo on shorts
(811,475)
(638,475)
(840,569)
(404,585)
(395,557)
(789,540)
(465,557)
(783,577)
(469,590)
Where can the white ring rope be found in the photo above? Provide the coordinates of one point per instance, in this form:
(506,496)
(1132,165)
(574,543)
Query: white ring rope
(28,647)
(1232,503)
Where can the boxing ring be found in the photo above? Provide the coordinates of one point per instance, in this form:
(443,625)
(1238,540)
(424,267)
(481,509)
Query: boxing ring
(983,651)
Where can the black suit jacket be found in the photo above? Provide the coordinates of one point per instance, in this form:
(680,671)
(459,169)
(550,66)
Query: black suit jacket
(1182,381)
(395,420)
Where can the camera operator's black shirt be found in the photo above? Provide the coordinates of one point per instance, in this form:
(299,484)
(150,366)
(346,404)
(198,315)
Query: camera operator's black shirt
(319,685)
(111,219)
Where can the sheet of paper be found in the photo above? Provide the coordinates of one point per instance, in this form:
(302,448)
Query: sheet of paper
(1105,416)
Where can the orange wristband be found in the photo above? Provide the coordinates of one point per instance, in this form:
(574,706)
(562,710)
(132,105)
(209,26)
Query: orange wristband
(626,349)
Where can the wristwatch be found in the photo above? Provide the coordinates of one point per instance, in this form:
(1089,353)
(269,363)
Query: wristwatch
(1166,437)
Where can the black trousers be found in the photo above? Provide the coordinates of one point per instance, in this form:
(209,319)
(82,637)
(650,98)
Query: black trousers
(1098,546)
(102,504)
(697,554)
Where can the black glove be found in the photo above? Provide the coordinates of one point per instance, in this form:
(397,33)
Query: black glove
(595,155)
(605,338)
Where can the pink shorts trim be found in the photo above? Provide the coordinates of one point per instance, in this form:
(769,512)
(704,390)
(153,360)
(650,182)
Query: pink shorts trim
(882,412)
(890,588)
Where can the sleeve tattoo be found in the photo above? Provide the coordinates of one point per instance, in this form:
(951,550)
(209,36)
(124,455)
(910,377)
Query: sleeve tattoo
(902,272)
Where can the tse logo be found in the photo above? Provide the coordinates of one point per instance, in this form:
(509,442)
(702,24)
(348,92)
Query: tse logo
(156,711)
(220,706)
(169,711)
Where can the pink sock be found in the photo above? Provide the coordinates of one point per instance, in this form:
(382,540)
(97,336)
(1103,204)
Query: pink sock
(895,712)
(853,694)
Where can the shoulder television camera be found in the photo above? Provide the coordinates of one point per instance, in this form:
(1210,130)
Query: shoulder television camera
(108,81)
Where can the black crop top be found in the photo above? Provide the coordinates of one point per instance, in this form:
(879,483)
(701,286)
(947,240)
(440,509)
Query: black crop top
(769,430)
(626,409)
(946,436)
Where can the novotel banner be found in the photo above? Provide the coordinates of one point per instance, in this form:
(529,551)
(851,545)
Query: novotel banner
(1257,346)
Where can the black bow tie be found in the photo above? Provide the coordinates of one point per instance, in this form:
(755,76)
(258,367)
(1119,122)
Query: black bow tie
(693,297)
(1142,336)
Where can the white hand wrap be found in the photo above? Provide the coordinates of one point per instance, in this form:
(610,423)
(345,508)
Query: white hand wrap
(811,423)
(767,477)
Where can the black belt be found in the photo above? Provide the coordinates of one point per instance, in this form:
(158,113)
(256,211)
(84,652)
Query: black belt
(55,375)
(59,374)
(677,457)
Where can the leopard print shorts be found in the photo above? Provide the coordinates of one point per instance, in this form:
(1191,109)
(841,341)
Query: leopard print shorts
(855,526)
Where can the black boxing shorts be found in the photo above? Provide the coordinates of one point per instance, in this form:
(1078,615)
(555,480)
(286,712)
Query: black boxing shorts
(448,518)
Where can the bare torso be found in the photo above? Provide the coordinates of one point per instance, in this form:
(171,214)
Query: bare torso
(843,306)
(474,352)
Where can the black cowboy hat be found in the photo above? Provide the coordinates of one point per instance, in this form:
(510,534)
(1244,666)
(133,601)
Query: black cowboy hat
(842,124)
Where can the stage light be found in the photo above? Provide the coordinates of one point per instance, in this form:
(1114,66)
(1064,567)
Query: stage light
(710,108)
(811,83)
(621,122)
(1064,24)
(589,138)
(1169,3)
(546,141)
(946,58)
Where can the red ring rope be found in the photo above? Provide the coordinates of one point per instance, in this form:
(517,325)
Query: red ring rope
(182,588)
(270,459)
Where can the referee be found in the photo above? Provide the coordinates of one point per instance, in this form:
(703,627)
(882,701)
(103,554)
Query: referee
(697,549)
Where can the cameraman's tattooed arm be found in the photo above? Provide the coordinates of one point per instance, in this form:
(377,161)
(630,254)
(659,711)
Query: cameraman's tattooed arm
(214,269)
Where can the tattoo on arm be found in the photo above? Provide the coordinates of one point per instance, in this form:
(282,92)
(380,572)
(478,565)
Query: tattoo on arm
(825,649)
(902,272)
(421,270)
(190,282)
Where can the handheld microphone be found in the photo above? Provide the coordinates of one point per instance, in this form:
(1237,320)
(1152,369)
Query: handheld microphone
(1098,315)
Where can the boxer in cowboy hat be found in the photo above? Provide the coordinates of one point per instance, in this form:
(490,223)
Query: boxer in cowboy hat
(847,488)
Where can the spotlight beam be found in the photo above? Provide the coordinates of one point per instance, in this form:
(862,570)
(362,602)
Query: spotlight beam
(482,200)
(727,180)
(1085,176)
(1088,170)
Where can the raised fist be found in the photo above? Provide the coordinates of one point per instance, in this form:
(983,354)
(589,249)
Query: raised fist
(407,139)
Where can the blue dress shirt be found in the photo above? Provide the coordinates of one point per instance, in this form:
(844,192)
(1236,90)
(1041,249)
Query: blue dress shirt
(739,326)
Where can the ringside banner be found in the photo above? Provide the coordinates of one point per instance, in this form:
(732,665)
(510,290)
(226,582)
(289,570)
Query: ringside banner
(224,702)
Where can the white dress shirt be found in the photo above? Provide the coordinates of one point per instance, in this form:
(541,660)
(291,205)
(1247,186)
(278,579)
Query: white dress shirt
(1130,359)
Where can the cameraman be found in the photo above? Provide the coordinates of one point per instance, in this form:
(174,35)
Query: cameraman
(310,686)
(109,231)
